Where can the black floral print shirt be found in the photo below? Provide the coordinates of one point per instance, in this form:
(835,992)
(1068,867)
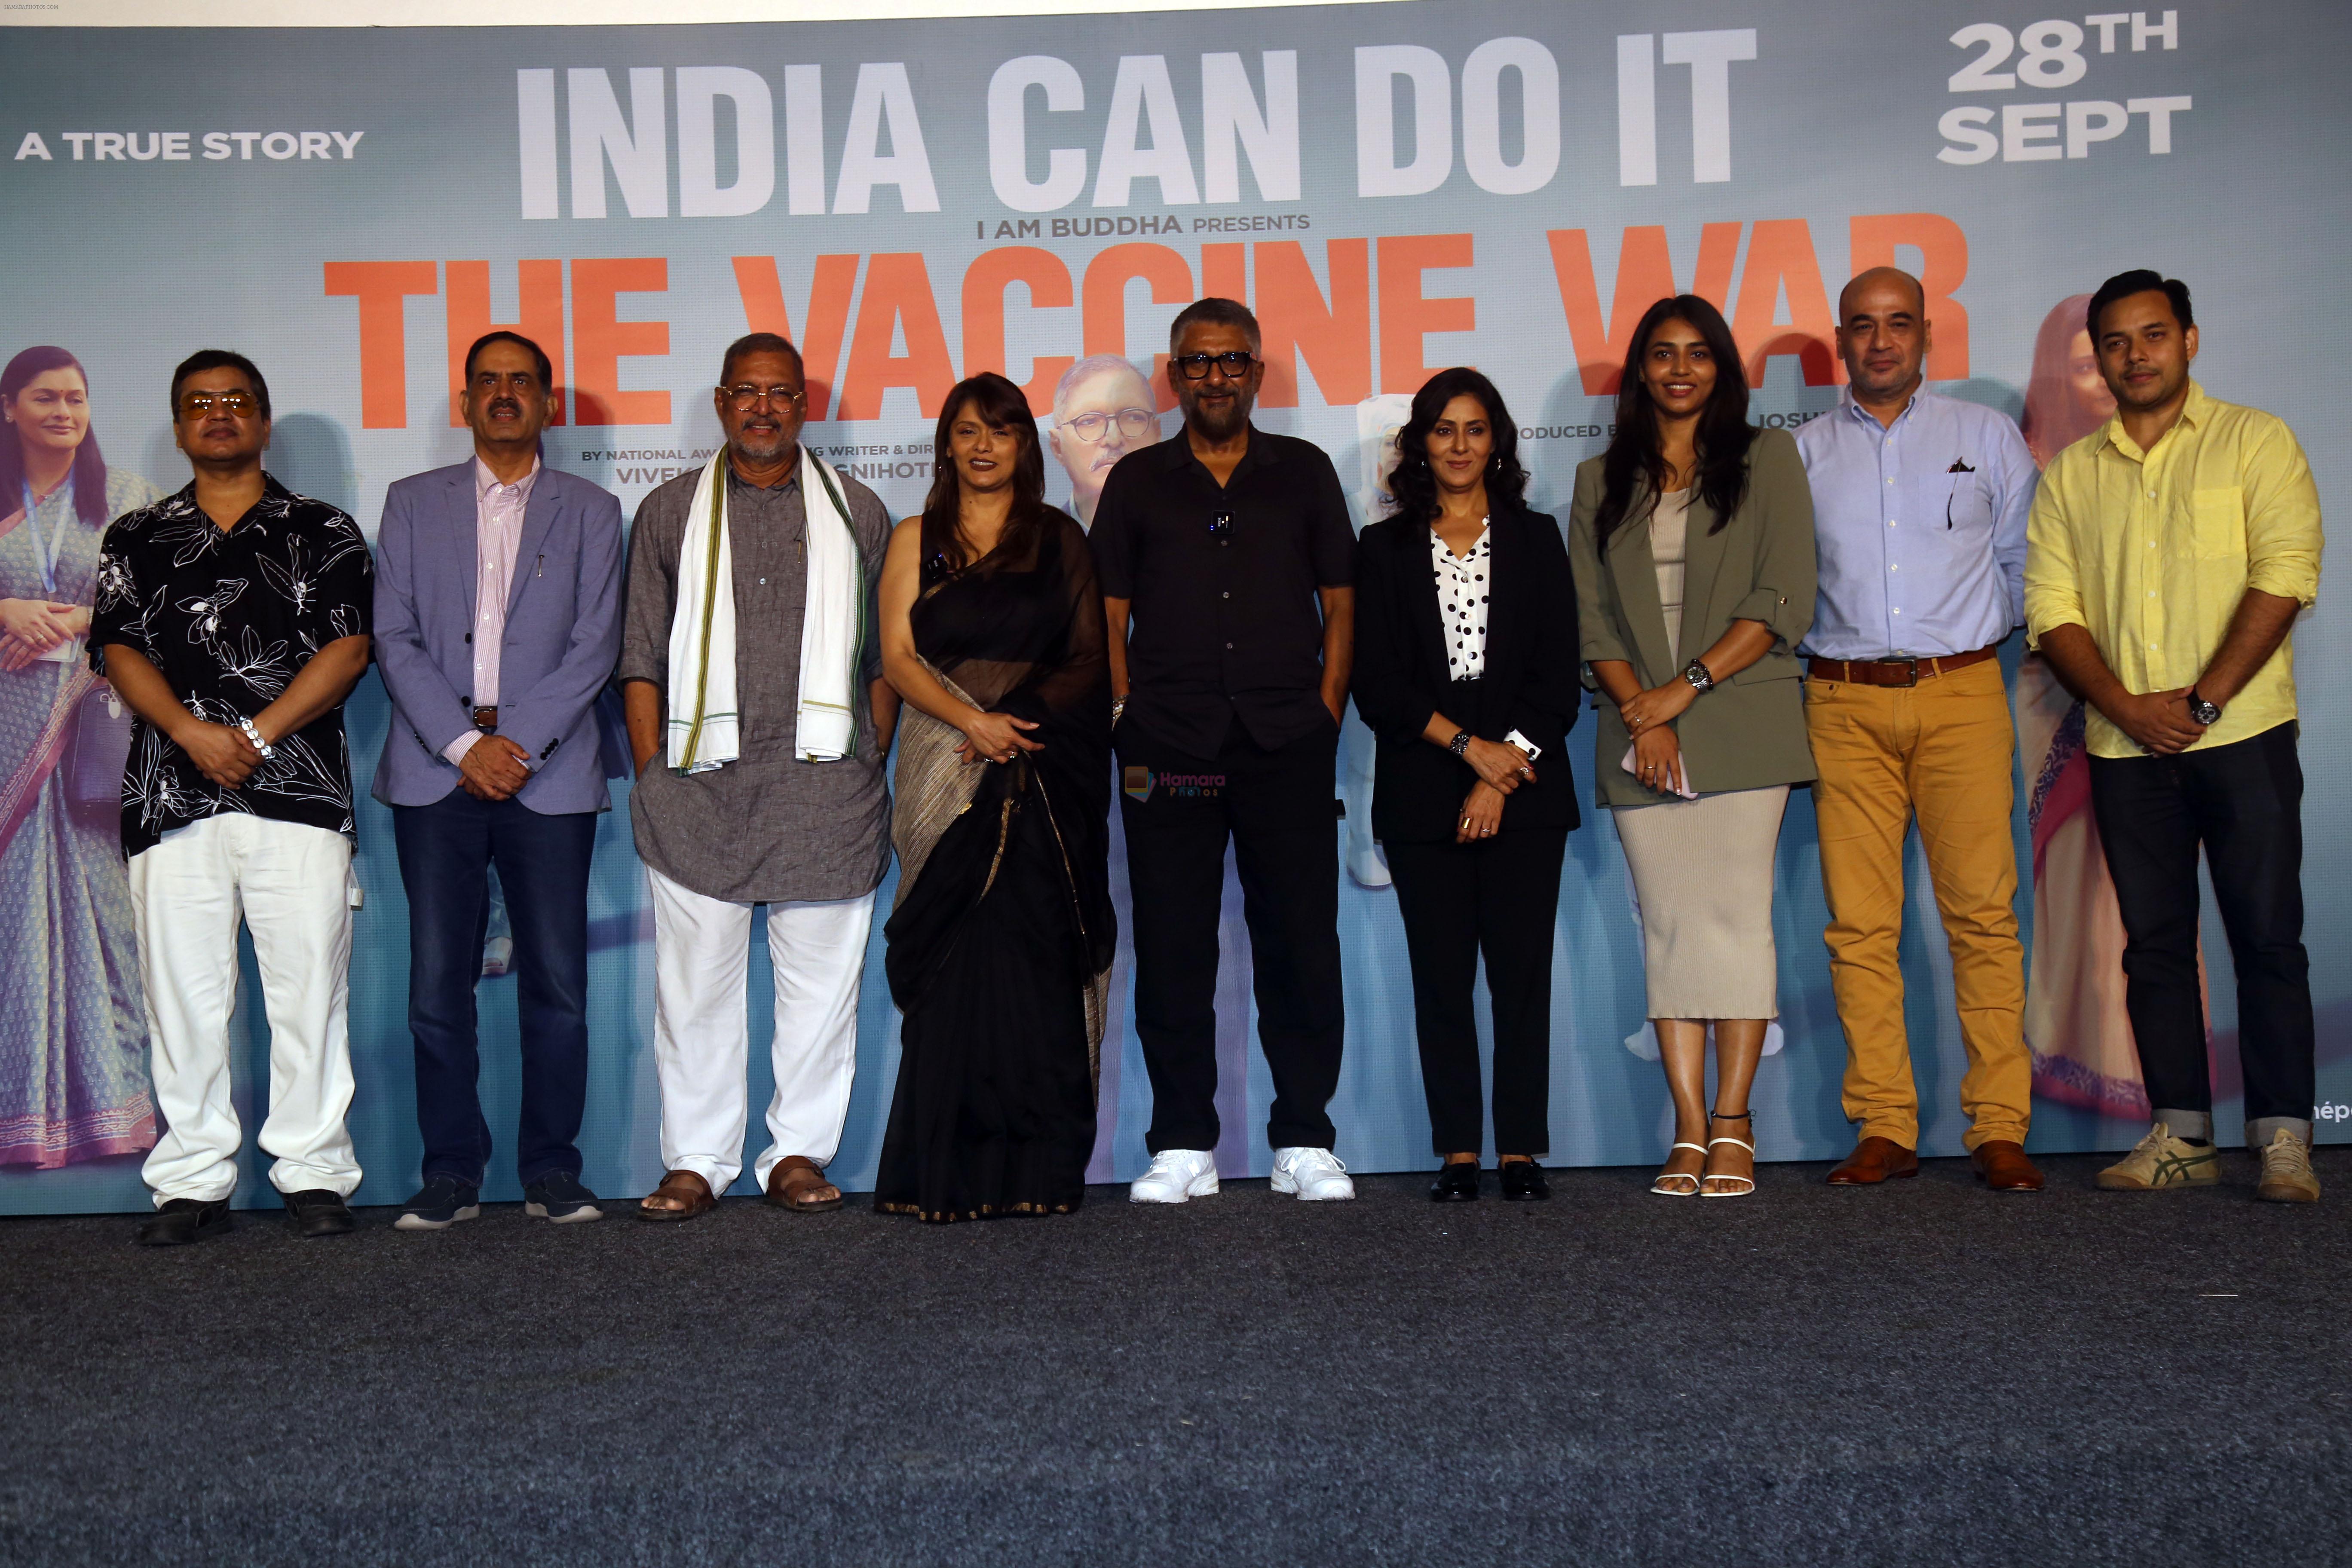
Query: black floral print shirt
(229,617)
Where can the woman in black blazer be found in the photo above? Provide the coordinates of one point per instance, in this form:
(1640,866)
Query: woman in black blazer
(1466,672)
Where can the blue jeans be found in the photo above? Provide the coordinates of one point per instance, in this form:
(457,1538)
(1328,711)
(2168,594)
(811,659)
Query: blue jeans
(446,852)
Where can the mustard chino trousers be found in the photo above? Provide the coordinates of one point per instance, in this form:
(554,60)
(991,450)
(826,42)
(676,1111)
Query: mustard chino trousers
(1941,751)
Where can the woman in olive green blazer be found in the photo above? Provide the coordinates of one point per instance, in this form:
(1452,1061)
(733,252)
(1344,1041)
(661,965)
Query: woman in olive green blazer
(1691,545)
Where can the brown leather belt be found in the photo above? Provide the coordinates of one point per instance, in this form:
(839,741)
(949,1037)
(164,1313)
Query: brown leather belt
(486,719)
(1895,672)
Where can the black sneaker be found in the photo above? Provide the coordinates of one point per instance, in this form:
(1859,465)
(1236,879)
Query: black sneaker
(444,1201)
(316,1213)
(558,1198)
(182,1220)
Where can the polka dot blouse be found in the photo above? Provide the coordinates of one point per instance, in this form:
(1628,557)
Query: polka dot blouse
(1462,603)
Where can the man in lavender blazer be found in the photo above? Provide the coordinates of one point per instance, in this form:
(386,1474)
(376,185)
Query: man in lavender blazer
(498,621)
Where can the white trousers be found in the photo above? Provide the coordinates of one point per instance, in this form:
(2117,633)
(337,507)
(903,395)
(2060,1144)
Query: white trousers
(702,1027)
(288,883)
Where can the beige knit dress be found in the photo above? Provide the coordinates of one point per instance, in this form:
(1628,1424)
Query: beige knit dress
(1703,869)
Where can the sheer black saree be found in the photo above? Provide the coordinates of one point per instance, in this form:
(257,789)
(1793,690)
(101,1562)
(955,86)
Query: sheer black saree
(1000,944)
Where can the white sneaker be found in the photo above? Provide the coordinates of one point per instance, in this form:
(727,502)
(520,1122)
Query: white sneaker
(1176,1175)
(1315,1174)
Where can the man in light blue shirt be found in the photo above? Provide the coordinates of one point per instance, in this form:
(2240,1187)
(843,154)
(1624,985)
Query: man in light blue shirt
(1919,514)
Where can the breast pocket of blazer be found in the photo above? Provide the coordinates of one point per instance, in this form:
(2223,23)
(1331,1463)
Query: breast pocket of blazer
(2218,523)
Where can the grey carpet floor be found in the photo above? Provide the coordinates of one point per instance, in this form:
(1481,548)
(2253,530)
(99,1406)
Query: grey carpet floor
(1924,1372)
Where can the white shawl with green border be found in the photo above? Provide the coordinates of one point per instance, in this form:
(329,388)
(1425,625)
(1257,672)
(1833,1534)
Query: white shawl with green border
(705,719)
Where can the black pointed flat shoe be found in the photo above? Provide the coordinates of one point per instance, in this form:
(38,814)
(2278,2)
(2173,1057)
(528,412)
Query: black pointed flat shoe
(1455,1184)
(1524,1182)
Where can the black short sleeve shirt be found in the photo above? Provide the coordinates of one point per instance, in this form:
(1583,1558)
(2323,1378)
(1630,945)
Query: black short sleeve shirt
(1221,583)
(228,617)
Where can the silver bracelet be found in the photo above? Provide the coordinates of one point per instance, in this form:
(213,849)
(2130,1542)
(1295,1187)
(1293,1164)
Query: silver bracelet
(253,735)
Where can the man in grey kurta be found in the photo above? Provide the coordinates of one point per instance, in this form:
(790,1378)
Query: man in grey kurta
(809,839)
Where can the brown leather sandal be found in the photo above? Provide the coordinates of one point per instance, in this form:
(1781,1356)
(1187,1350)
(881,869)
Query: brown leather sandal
(688,1191)
(798,1184)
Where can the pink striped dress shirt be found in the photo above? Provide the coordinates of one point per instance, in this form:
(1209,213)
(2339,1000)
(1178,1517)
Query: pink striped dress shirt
(498,536)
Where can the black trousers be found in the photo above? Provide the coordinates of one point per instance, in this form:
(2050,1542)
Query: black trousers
(446,850)
(2244,802)
(1499,896)
(1275,807)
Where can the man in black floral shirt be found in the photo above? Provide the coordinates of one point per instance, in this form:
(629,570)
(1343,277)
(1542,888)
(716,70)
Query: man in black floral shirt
(233,618)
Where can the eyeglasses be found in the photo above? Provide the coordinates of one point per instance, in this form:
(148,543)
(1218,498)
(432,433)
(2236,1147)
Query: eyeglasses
(196,405)
(1233,362)
(1221,527)
(746,397)
(1092,427)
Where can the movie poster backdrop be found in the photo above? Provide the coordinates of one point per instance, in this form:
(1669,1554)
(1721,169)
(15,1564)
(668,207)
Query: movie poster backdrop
(1394,188)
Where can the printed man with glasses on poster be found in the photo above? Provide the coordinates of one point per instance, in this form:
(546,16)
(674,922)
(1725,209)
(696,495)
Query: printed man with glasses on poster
(1227,567)
(1103,409)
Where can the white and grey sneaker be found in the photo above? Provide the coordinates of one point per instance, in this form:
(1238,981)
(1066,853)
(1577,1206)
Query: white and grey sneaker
(1176,1175)
(559,1197)
(443,1202)
(1315,1174)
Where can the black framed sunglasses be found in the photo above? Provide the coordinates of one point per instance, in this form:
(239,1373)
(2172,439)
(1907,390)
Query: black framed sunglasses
(1221,527)
(1233,362)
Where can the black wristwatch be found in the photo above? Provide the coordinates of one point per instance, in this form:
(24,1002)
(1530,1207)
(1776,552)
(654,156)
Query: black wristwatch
(1460,744)
(1701,678)
(2206,714)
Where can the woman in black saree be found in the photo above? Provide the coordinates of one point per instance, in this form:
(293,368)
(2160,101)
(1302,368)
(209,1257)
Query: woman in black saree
(1000,944)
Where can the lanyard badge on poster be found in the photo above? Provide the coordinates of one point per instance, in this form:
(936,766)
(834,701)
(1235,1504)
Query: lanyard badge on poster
(45,552)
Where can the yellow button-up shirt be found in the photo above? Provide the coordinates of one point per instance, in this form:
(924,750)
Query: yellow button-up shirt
(2151,552)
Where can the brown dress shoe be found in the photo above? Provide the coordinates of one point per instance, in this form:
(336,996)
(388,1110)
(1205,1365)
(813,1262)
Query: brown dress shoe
(2003,1167)
(1874,1160)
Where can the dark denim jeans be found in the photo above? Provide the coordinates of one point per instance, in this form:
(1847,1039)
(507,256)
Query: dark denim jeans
(2244,802)
(446,852)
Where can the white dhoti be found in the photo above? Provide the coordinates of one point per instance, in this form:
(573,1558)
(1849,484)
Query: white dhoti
(702,1028)
(289,883)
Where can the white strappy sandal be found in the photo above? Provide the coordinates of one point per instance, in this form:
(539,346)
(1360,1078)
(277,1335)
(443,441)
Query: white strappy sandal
(1663,1191)
(1749,1116)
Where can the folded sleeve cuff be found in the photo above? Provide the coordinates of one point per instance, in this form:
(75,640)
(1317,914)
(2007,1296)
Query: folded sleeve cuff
(1771,607)
(2285,580)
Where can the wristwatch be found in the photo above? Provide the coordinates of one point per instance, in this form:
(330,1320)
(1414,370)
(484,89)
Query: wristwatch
(1700,678)
(1460,744)
(2206,714)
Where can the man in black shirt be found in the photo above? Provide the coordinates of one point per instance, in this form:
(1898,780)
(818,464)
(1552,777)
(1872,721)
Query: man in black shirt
(233,618)
(1227,565)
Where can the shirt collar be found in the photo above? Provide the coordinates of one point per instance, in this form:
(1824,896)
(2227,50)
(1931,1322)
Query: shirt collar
(784,487)
(272,493)
(1439,548)
(2193,410)
(486,482)
(1856,411)
(1260,453)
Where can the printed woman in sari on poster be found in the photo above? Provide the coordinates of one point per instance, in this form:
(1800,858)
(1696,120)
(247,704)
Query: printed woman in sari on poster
(1000,944)
(2075,1018)
(73,1030)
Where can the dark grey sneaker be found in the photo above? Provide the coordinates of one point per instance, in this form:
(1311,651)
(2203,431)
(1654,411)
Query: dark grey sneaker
(560,1198)
(443,1202)
(318,1212)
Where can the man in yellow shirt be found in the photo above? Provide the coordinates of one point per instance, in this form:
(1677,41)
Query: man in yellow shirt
(2167,556)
